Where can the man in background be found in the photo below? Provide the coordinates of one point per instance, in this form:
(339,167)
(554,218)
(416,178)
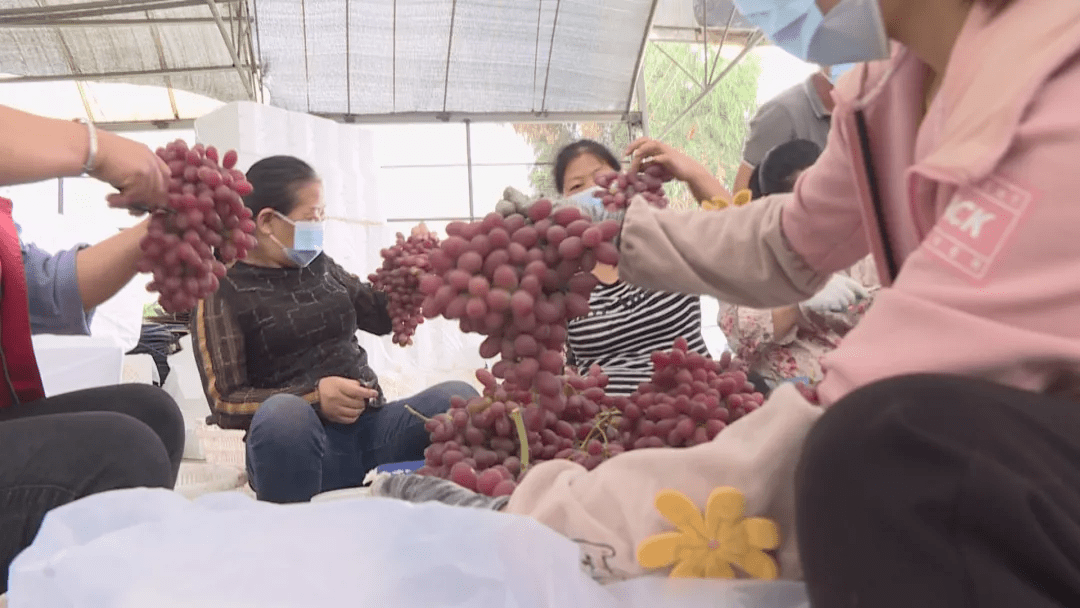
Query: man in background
(802,112)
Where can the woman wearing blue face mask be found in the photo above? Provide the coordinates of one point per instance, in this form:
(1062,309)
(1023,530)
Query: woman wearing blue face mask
(278,352)
(625,323)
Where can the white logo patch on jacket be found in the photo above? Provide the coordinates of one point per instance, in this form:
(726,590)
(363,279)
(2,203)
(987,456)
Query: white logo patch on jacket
(975,226)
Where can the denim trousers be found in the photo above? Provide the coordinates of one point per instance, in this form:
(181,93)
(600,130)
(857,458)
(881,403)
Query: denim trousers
(293,454)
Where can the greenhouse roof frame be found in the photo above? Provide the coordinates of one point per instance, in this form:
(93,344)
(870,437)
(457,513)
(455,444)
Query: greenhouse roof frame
(365,61)
(202,46)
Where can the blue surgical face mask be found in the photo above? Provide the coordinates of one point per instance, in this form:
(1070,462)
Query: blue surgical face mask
(589,197)
(307,241)
(836,71)
(852,32)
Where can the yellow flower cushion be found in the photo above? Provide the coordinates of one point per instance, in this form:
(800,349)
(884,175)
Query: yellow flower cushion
(712,546)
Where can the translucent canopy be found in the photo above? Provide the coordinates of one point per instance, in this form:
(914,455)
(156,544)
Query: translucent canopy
(382,60)
(354,60)
(190,45)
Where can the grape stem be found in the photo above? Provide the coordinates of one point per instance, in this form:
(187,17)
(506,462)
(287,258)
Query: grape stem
(523,438)
(408,408)
(604,418)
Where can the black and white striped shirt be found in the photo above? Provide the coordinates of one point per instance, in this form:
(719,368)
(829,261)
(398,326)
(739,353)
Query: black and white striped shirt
(625,325)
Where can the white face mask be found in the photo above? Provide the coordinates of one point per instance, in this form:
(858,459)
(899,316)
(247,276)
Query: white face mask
(852,32)
(307,241)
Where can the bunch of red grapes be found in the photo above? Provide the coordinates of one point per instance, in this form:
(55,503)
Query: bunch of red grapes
(399,278)
(205,213)
(517,280)
(688,401)
(618,189)
(486,444)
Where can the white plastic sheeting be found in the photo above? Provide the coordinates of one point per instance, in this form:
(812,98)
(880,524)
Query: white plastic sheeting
(72,363)
(380,57)
(155,548)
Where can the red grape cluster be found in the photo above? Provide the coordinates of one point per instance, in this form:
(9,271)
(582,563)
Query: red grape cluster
(517,280)
(688,401)
(205,213)
(486,444)
(399,278)
(619,188)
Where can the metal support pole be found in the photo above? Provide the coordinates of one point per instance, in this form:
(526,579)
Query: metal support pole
(639,63)
(480,117)
(705,41)
(231,47)
(643,103)
(449,51)
(107,23)
(468,161)
(723,39)
(712,85)
(114,75)
(60,195)
(656,45)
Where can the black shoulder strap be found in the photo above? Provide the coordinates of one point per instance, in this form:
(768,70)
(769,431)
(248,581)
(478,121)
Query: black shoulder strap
(875,195)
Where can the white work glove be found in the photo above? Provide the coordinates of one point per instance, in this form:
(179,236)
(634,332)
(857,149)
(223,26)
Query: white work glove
(838,294)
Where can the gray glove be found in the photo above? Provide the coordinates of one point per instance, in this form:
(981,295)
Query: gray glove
(514,201)
(423,488)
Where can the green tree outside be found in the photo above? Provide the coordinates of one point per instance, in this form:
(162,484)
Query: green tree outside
(712,133)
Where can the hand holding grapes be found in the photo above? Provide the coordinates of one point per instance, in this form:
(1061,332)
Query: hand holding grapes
(342,400)
(141,176)
(646,152)
(203,226)
(665,162)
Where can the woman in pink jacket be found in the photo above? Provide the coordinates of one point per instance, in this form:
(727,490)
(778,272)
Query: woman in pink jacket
(952,160)
(945,470)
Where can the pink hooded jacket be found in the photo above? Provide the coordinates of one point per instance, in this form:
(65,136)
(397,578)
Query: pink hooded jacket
(979,209)
(977,243)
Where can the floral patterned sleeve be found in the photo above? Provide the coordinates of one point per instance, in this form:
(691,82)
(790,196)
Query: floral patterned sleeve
(751,337)
(797,354)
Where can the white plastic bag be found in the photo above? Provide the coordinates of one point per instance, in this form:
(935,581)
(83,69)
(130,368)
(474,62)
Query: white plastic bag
(155,548)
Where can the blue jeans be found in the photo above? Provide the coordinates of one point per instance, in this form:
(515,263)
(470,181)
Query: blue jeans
(292,454)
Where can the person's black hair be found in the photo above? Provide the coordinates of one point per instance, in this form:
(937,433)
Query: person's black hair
(577,149)
(274,181)
(779,169)
(755,183)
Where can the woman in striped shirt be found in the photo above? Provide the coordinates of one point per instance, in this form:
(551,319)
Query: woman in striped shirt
(625,323)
